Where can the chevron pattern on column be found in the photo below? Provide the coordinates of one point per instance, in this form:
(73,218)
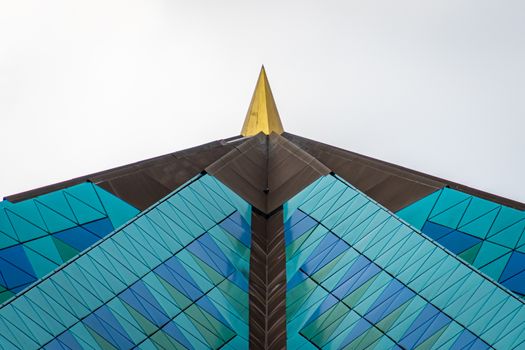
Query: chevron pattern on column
(267,282)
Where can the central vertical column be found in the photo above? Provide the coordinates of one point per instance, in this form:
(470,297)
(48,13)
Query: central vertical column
(266,171)
(268,282)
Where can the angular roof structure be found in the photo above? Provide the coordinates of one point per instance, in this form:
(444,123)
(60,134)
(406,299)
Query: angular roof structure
(266,240)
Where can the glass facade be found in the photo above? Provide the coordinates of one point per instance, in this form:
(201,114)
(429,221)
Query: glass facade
(38,235)
(359,277)
(176,276)
(487,235)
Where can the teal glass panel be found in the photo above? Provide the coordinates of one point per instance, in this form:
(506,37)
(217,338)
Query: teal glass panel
(487,235)
(176,276)
(359,277)
(37,235)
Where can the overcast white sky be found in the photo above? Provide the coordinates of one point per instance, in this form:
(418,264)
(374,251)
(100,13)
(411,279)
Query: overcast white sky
(438,86)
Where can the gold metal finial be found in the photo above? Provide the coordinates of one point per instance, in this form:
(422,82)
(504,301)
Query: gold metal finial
(262,114)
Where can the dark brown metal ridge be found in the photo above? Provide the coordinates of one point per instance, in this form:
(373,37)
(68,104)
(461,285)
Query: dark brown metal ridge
(267,289)
(267,170)
(169,171)
(411,184)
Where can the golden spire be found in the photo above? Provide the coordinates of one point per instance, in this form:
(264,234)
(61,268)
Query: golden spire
(262,114)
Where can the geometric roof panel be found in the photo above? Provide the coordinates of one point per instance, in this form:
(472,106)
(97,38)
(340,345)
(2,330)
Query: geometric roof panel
(359,277)
(39,234)
(175,276)
(487,235)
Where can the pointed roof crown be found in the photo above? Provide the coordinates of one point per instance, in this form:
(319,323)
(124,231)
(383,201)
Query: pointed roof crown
(262,115)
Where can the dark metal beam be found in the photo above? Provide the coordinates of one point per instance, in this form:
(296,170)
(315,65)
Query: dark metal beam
(268,282)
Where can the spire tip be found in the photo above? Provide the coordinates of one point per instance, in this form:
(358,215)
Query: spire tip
(262,114)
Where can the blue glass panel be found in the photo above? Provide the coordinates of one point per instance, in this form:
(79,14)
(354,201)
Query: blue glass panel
(240,280)
(174,273)
(464,341)
(356,280)
(237,227)
(440,321)
(105,324)
(390,299)
(516,283)
(101,228)
(458,242)
(55,345)
(360,327)
(69,340)
(15,268)
(208,305)
(515,265)
(143,301)
(77,237)
(419,326)
(298,225)
(208,251)
(326,251)
(326,304)
(16,257)
(435,231)
(173,330)
(297,279)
